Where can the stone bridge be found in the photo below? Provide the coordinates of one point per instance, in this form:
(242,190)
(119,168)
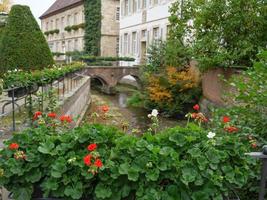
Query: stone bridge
(110,76)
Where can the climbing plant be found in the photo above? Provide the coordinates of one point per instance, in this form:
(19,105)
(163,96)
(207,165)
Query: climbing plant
(92,26)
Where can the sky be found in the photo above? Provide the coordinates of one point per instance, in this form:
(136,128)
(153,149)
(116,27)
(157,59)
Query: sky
(38,7)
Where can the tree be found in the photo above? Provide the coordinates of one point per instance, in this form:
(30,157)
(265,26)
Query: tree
(23,44)
(5,5)
(221,33)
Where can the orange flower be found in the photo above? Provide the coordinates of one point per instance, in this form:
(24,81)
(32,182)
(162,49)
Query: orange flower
(13,146)
(105,108)
(92,147)
(87,160)
(52,115)
(231,129)
(36,115)
(98,163)
(226,119)
(66,118)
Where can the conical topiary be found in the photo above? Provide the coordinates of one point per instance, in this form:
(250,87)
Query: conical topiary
(23,44)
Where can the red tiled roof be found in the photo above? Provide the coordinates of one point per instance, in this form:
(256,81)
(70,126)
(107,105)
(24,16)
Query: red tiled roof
(60,5)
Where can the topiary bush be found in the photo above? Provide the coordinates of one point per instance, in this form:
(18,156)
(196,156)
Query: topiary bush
(23,44)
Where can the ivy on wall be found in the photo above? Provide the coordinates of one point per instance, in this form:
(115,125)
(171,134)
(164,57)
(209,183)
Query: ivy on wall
(92,27)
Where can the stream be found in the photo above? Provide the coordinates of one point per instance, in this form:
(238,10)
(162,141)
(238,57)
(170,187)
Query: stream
(121,115)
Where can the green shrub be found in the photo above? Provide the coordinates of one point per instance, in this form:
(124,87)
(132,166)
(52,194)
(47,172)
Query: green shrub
(24,46)
(179,163)
(51,32)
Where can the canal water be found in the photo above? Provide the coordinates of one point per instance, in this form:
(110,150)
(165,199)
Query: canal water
(122,115)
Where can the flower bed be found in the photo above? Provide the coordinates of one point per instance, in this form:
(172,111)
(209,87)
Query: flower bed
(40,77)
(99,162)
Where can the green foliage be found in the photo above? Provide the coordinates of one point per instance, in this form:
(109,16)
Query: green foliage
(23,44)
(40,77)
(250,106)
(74,27)
(136,100)
(179,163)
(93,19)
(220,33)
(51,32)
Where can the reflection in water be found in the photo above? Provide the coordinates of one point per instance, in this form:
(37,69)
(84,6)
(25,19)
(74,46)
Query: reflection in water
(122,99)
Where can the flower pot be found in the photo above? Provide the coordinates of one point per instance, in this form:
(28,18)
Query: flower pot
(23,91)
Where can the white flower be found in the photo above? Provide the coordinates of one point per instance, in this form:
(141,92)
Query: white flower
(154,113)
(149,115)
(211,135)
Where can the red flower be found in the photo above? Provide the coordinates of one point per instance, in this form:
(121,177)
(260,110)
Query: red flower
(231,129)
(36,115)
(66,118)
(105,108)
(92,147)
(52,115)
(13,146)
(226,119)
(254,145)
(87,160)
(98,163)
(196,107)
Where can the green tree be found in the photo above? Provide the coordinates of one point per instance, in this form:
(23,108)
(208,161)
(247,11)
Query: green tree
(92,26)
(23,45)
(222,33)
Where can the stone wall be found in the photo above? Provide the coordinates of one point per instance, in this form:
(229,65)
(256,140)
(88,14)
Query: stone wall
(77,102)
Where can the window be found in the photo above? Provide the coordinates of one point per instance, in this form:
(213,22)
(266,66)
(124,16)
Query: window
(139,4)
(134,44)
(51,45)
(62,23)
(156,33)
(76,18)
(68,20)
(126,7)
(156,2)
(76,45)
(57,47)
(118,13)
(117,45)
(47,26)
(69,45)
(57,20)
(52,25)
(144,4)
(134,6)
(125,43)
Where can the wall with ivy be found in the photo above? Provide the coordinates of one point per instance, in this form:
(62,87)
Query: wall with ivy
(92,26)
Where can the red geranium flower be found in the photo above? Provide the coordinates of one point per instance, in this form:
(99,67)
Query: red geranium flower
(231,129)
(196,107)
(254,145)
(87,160)
(13,146)
(36,115)
(226,119)
(52,115)
(105,108)
(66,118)
(194,115)
(92,147)
(98,163)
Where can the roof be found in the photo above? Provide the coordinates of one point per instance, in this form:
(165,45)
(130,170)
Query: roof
(60,5)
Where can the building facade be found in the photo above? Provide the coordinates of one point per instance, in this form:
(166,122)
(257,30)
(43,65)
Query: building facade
(142,22)
(63,24)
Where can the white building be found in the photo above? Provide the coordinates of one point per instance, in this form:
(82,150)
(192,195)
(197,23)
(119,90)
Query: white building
(142,22)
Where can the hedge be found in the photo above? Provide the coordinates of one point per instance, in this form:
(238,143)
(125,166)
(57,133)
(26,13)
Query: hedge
(24,45)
